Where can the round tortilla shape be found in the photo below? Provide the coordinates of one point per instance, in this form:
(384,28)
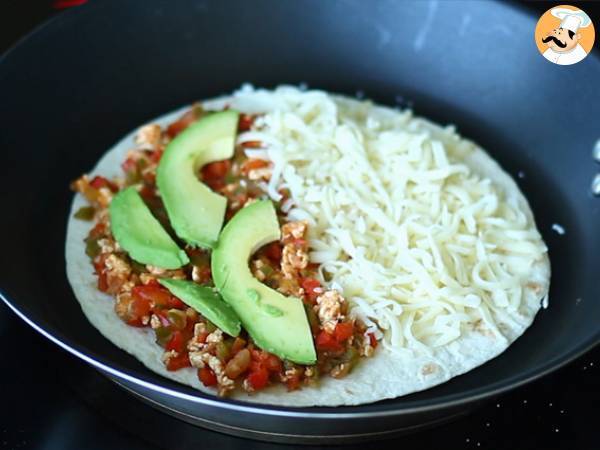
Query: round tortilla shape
(385,375)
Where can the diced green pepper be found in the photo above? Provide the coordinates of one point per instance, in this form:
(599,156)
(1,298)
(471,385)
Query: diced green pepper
(178,318)
(163,335)
(85,213)
(92,249)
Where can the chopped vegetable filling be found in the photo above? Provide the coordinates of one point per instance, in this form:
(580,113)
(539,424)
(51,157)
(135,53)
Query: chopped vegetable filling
(188,338)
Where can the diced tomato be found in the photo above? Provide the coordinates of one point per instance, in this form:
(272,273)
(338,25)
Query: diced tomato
(273,364)
(266,360)
(176,342)
(135,323)
(129,165)
(184,121)
(139,307)
(98,230)
(252,144)
(178,362)
(258,378)
(213,174)
(246,121)
(174,302)
(153,282)
(147,192)
(156,155)
(259,356)
(154,293)
(201,338)
(273,252)
(149,177)
(372,340)
(100,270)
(299,242)
(309,285)
(102,281)
(216,169)
(216,184)
(343,331)
(100,182)
(327,342)
(293,382)
(207,377)
(312,266)
(252,164)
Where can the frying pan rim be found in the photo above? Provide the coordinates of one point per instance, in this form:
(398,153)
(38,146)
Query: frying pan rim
(301,412)
(272,410)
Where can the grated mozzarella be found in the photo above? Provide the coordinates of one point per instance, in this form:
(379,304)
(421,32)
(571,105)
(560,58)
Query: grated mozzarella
(420,245)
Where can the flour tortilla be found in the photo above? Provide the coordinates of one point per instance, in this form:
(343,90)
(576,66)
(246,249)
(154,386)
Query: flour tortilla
(386,375)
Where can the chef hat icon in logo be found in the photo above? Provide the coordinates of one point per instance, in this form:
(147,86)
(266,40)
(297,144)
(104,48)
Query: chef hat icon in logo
(564,35)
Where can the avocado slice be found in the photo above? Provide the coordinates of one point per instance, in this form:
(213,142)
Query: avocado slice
(139,233)
(195,211)
(278,324)
(206,301)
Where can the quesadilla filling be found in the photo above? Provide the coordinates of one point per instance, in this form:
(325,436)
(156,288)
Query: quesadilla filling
(189,339)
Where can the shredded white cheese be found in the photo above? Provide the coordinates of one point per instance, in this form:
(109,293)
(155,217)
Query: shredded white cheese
(420,245)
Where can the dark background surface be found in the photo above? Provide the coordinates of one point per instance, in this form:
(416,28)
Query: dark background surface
(53,401)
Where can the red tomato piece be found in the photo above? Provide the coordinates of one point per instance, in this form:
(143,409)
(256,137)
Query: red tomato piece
(207,377)
(258,378)
(129,165)
(149,177)
(97,231)
(184,121)
(343,331)
(154,293)
(153,282)
(309,285)
(202,337)
(327,342)
(293,382)
(216,169)
(274,364)
(246,121)
(252,164)
(100,182)
(178,362)
(372,340)
(174,302)
(139,307)
(252,144)
(102,281)
(176,342)
(156,155)
(273,252)
(101,272)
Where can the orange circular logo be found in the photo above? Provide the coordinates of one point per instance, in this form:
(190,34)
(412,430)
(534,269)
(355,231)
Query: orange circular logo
(564,35)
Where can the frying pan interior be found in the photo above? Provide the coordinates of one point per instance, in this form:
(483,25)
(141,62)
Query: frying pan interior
(78,84)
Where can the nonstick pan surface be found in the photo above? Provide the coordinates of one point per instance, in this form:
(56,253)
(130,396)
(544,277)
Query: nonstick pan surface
(74,87)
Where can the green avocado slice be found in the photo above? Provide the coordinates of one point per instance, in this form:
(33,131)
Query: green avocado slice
(278,324)
(139,233)
(206,301)
(195,211)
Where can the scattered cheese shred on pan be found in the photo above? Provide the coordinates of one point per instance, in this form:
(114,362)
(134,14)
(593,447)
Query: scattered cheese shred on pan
(420,244)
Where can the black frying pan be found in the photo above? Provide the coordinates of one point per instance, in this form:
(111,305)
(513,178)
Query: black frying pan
(79,83)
